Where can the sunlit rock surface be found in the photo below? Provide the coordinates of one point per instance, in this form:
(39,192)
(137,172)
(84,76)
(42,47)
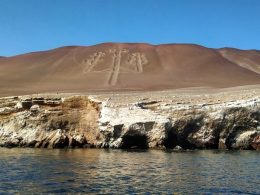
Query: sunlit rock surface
(165,119)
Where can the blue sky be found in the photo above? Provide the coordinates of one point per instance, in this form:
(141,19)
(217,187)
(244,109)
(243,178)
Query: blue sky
(32,25)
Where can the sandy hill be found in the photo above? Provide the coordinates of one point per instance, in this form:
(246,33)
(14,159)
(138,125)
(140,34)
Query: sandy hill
(114,66)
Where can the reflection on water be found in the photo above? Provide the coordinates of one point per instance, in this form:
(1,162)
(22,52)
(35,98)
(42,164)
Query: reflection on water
(117,171)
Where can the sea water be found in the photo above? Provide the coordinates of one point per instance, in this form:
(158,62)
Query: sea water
(98,171)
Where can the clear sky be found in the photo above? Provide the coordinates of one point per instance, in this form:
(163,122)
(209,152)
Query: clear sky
(32,25)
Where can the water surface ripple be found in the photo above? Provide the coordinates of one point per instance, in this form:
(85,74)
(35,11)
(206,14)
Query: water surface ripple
(96,171)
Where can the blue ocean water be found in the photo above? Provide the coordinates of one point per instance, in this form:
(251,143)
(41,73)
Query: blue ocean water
(97,171)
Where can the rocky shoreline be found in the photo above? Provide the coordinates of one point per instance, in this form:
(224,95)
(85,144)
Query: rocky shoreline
(164,120)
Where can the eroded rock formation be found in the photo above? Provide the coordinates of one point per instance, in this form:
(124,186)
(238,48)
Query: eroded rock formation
(48,122)
(91,121)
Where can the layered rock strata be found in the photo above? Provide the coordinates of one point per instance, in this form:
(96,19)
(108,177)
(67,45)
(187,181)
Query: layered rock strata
(111,121)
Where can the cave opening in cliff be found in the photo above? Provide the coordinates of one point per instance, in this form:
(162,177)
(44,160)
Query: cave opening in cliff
(134,142)
(171,140)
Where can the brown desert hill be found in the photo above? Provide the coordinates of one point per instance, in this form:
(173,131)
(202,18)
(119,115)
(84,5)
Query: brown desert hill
(122,66)
(249,59)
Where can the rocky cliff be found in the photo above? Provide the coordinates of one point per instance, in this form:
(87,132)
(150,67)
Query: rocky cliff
(163,120)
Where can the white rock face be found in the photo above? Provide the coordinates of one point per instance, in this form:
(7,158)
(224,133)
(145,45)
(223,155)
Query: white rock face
(134,122)
(114,122)
(244,139)
(35,108)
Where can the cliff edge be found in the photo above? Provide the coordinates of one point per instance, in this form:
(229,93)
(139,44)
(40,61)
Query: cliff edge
(224,119)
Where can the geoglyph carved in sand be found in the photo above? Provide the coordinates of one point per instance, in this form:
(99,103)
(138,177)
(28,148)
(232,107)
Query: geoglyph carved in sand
(93,61)
(116,63)
(123,61)
(138,60)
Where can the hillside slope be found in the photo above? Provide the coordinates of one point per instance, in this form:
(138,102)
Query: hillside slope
(116,66)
